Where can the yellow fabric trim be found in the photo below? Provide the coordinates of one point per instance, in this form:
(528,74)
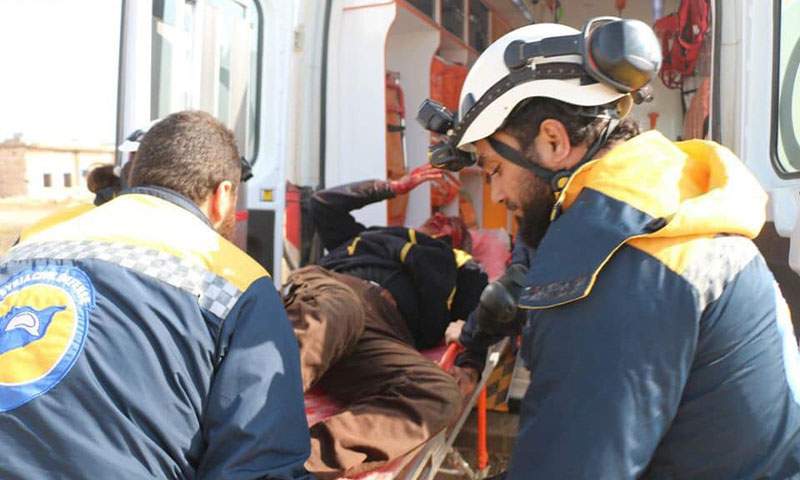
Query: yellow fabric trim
(150,222)
(55,218)
(699,187)
(412,235)
(351,250)
(674,253)
(591,282)
(450,299)
(462,257)
(405,250)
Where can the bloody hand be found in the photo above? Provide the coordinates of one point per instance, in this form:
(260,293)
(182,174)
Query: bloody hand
(414,178)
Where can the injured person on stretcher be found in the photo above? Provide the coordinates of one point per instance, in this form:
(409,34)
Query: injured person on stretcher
(361,316)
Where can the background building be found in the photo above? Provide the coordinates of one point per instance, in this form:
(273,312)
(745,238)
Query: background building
(48,172)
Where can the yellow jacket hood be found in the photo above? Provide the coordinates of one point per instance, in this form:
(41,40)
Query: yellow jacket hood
(698,187)
(654,195)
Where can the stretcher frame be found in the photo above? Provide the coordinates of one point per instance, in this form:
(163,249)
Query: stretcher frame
(426,461)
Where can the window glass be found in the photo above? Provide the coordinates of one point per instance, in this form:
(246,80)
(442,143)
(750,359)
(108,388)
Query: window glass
(205,56)
(67,180)
(424,6)
(788,93)
(478,25)
(48,180)
(453,17)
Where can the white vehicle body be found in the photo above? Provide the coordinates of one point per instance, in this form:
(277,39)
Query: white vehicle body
(305,93)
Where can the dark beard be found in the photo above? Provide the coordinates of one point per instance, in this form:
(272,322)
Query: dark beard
(228,226)
(536,206)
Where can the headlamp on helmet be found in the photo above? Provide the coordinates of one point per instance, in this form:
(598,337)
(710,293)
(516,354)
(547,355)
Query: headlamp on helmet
(624,55)
(436,118)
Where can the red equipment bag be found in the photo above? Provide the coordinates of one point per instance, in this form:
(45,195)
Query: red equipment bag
(682,36)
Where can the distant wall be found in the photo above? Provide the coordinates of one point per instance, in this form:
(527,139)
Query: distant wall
(48,172)
(12,171)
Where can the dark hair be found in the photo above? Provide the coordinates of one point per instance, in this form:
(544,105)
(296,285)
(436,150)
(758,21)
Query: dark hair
(190,152)
(582,127)
(102,177)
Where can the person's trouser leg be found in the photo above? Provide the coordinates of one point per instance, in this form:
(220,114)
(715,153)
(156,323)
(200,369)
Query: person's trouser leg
(327,317)
(396,398)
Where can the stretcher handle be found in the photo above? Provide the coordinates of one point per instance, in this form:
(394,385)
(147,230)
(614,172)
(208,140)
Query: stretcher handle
(449,357)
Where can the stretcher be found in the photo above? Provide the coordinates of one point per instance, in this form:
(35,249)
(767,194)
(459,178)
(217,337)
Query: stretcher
(426,460)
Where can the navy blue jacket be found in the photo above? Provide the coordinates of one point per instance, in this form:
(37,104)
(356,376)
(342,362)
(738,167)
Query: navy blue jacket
(658,342)
(135,342)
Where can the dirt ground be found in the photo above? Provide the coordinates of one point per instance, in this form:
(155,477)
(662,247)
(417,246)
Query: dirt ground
(17,213)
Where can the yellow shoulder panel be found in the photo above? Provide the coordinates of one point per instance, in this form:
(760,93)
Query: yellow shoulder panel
(59,216)
(149,222)
(674,252)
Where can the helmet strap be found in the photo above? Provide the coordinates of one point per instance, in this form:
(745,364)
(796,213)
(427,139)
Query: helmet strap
(516,157)
(557,179)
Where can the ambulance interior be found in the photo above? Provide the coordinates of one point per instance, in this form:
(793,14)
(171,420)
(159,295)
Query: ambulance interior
(417,49)
(454,46)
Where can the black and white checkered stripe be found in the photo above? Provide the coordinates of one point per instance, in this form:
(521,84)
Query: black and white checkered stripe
(213,292)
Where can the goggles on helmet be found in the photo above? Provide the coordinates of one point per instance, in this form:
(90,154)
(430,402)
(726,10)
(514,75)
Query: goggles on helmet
(621,53)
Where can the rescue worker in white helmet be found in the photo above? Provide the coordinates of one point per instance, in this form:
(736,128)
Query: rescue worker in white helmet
(658,342)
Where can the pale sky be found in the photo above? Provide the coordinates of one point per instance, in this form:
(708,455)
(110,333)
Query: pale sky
(58,70)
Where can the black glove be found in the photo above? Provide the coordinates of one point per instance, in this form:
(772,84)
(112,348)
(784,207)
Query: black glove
(497,310)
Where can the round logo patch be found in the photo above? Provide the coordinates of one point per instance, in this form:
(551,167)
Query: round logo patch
(44,319)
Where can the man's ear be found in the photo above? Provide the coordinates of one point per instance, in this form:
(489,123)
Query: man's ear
(221,202)
(552,145)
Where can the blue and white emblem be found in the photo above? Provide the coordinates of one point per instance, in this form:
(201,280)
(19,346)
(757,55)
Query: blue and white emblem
(44,320)
(23,325)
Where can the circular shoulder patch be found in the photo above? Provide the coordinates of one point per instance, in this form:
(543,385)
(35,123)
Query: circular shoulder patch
(44,319)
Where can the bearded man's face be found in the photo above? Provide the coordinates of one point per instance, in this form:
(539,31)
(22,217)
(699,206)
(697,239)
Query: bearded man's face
(228,226)
(535,209)
(527,197)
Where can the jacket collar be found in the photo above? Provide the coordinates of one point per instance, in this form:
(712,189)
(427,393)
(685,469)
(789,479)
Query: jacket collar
(578,244)
(171,196)
(646,186)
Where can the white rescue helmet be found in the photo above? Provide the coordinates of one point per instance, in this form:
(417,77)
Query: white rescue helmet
(132,141)
(131,145)
(583,74)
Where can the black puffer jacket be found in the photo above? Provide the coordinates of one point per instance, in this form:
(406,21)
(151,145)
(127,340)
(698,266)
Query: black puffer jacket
(432,283)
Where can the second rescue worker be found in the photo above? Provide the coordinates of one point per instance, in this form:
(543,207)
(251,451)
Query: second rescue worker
(658,342)
(137,341)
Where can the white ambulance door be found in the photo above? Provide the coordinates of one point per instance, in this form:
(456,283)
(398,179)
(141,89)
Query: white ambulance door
(758,103)
(226,57)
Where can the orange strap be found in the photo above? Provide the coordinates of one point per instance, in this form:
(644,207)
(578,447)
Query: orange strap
(483,452)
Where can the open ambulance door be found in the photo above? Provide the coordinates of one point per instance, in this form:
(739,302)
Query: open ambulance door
(382,58)
(759,118)
(338,132)
(230,58)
